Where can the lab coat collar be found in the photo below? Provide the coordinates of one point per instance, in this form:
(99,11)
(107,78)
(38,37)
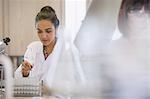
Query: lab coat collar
(51,63)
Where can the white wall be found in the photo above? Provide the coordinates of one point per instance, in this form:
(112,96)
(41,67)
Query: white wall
(20,23)
(1,22)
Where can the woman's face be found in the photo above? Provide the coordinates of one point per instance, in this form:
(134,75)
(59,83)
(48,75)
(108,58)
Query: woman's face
(138,24)
(46,31)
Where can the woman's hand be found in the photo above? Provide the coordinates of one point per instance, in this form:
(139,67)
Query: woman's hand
(26,68)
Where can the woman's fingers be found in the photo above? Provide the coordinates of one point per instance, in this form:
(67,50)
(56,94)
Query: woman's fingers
(26,67)
(25,72)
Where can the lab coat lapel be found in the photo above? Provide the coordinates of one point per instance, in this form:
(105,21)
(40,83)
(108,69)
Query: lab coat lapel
(51,63)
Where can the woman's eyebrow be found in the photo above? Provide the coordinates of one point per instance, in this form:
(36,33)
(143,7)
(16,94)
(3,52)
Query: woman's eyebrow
(44,29)
(48,29)
(38,29)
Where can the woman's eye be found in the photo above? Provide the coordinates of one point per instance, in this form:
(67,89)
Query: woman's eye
(39,31)
(49,31)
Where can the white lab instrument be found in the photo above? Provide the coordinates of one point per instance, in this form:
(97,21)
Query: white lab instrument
(3,44)
(6,79)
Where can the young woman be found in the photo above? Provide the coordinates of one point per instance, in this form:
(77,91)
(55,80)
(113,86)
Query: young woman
(41,57)
(130,54)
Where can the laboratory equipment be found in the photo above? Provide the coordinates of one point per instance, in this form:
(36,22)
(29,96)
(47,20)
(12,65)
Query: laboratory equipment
(27,87)
(3,44)
(6,82)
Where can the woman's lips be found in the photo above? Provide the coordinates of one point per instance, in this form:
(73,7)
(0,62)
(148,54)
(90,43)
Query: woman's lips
(44,40)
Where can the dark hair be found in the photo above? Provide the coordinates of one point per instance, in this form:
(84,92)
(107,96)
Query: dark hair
(126,7)
(48,13)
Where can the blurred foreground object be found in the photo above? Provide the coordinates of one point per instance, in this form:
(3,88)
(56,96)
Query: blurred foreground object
(6,76)
(98,26)
(92,39)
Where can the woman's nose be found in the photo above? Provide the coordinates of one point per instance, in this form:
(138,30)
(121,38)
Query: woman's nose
(44,35)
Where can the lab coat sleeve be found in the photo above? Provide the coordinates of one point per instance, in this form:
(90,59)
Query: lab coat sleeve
(18,73)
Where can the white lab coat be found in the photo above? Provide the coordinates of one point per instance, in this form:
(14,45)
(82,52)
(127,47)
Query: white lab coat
(57,71)
(41,67)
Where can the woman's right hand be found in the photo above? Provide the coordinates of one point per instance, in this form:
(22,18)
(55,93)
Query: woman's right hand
(26,68)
